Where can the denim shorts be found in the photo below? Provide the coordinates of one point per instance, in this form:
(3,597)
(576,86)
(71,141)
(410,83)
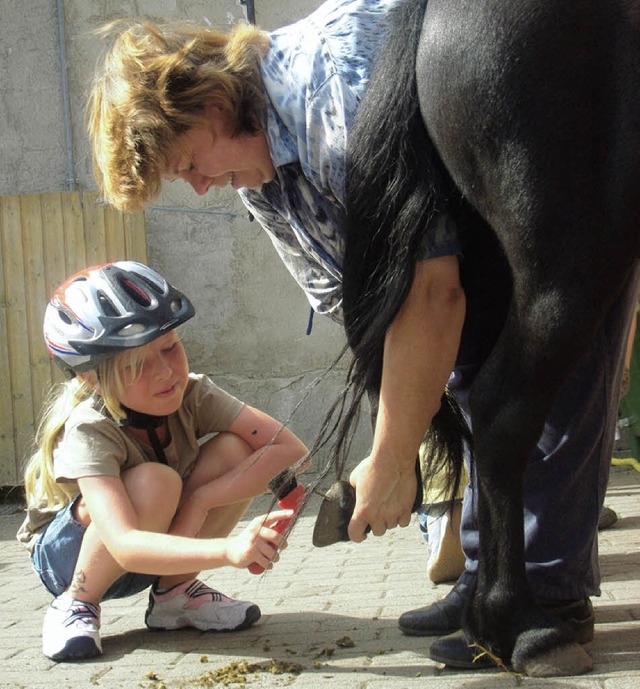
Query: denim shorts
(56,552)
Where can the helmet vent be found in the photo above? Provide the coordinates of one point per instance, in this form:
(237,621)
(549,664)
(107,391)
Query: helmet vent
(135,292)
(132,329)
(107,305)
(158,289)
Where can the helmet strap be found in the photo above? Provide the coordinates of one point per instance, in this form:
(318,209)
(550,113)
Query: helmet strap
(149,423)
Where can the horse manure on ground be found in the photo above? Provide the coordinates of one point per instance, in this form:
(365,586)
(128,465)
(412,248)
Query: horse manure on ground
(234,673)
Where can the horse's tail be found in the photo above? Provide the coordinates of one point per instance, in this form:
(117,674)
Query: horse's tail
(395,184)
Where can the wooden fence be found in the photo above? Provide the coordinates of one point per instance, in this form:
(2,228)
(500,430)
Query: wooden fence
(44,238)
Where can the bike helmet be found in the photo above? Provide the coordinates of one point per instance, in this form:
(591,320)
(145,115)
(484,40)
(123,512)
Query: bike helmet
(108,308)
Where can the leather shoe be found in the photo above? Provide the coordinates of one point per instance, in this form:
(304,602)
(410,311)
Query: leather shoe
(439,618)
(454,650)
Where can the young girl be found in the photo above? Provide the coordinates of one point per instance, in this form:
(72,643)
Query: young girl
(122,492)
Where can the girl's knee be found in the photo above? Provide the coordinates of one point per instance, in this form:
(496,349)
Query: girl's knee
(226,446)
(153,488)
(219,455)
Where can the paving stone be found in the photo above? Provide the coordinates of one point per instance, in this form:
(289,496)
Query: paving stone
(331,610)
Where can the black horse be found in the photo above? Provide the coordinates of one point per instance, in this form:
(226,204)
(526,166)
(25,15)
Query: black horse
(520,118)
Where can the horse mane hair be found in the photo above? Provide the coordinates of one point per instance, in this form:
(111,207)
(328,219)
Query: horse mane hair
(395,185)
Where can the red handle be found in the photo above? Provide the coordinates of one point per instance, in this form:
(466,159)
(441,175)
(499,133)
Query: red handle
(291,501)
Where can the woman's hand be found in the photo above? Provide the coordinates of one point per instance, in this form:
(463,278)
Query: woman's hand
(385,494)
(259,542)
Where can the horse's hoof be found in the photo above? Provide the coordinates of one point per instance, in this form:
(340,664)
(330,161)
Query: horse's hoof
(570,659)
(334,515)
(336,510)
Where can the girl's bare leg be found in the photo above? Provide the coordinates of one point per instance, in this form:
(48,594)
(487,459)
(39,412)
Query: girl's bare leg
(154,491)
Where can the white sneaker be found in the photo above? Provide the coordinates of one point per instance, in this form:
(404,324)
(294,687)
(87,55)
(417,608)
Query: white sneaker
(71,630)
(194,604)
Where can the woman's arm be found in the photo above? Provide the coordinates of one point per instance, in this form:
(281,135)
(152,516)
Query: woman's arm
(137,550)
(419,354)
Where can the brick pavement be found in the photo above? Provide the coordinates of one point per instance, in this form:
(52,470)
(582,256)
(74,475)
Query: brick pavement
(329,614)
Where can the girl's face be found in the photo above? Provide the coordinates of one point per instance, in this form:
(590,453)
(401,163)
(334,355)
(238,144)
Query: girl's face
(205,156)
(162,380)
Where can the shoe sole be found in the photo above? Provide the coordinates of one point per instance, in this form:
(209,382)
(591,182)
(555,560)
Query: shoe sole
(253,614)
(78,649)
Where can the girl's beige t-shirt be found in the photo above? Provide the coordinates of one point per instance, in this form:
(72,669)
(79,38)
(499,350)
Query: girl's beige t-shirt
(94,445)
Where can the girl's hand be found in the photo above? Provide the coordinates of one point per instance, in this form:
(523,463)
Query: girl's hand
(385,492)
(258,542)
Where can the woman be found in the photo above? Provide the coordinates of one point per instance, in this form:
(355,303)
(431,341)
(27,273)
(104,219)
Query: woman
(269,114)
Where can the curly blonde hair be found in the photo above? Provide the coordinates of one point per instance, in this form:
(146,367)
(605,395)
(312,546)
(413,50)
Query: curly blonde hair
(153,85)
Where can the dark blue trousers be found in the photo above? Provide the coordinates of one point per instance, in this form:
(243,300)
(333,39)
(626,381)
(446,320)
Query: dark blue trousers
(566,479)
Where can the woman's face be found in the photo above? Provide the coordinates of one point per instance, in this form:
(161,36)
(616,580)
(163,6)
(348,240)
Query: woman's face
(205,156)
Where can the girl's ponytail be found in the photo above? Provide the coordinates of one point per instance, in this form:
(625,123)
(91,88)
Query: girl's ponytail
(40,485)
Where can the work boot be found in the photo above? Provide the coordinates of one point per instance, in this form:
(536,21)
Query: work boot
(439,618)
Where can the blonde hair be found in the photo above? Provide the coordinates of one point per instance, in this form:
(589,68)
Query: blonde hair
(153,85)
(114,375)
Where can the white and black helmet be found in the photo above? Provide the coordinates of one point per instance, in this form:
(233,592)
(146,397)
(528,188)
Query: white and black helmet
(108,308)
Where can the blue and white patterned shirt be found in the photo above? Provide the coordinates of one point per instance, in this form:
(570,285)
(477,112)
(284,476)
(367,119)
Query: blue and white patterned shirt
(314,75)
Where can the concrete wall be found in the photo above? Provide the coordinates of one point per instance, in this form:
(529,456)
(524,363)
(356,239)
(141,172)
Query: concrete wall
(249,333)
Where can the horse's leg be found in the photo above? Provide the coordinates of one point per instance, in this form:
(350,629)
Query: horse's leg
(502,593)
(530,105)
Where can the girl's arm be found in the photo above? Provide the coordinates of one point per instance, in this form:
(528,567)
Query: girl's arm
(420,350)
(146,552)
(275,448)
